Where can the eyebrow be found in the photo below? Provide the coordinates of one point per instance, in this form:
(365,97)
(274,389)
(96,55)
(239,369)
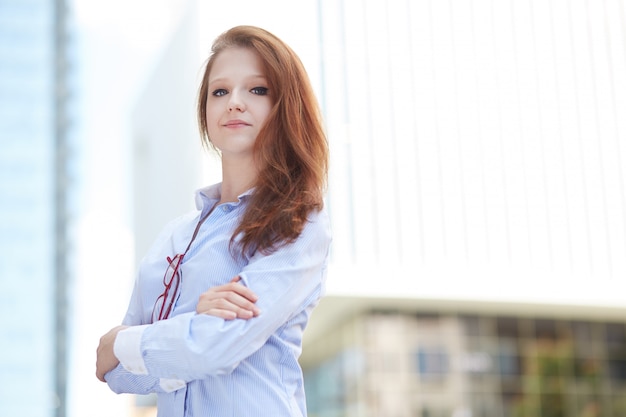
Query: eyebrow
(251,77)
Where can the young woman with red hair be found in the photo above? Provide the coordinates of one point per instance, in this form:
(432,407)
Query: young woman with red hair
(221,300)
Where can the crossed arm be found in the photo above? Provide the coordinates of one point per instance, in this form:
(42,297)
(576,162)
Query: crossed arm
(229,302)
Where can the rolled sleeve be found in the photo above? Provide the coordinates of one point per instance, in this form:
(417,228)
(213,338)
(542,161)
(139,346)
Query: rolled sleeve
(121,381)
(131,376)
(127,349)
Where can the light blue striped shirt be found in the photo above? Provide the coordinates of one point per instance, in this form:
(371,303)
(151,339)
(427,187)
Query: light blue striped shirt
(201,365)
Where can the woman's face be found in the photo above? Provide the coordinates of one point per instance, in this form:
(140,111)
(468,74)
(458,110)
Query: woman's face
(238,101)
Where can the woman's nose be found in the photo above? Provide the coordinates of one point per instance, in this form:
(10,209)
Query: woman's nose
(236,102)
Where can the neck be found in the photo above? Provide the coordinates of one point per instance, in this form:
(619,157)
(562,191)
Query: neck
(237,178)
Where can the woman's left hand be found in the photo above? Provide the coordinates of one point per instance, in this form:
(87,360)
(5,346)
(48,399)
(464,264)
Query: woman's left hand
(229,301)
(106,359)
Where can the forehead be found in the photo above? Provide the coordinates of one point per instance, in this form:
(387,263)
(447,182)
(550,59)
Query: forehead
(236,62)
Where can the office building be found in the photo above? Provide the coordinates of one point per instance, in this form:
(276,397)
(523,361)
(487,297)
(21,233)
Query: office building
(34,196)
(477,198)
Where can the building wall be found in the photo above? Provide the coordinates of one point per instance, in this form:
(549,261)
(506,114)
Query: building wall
(166,162)
(477,148)
(478,166)
(34,193)
(397,364)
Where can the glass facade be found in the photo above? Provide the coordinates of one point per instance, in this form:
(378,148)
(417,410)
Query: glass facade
(401,365)
(30,199)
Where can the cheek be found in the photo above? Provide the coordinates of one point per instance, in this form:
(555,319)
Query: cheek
(266,112)
(211,128)
(211,116)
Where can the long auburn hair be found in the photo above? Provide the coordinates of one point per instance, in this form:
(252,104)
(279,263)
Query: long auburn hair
(291,148)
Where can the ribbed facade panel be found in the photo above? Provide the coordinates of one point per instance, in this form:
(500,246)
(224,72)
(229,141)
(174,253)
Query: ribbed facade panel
(487,137)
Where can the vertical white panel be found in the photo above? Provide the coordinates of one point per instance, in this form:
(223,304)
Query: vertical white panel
(490,105)
(509,134)
(473,119)
(468,131)
(419,33)
(575,124)
(605,127)
(334,103)
(404,129)
(359,93)
(558,131)
(380,108)
(608,65)
(451,35)
(447,128)
(429,144)
(490,137)
(536,110)
(615,27)
(592,139)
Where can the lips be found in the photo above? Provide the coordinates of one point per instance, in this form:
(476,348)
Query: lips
(236,123)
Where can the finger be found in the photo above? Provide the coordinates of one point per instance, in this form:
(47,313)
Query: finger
(240,305)
(227,313)
(223,291)
(249,294)
(229,300)
(206,306)
(99,373)
(240,308)
(221,313)
(240,289)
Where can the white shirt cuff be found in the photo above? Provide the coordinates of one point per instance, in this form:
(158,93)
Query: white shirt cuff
(127,349)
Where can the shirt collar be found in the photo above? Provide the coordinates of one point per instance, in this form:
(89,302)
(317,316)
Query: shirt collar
(213,193)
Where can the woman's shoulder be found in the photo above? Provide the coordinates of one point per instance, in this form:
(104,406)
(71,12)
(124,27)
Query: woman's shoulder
(319,215)
(318,224)
(181,220)
(175,224)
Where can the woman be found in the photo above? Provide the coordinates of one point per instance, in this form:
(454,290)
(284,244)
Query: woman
(215,321)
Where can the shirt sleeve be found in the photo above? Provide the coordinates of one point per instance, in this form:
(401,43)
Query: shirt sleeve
(131,380)
(122,381)
(194,346)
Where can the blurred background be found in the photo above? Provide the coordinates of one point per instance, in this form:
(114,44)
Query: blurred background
(477,194)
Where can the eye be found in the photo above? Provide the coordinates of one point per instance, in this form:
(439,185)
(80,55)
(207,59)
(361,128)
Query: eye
(261,91)
(219,92)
